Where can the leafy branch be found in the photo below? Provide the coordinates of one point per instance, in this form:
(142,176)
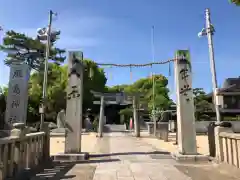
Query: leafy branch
(23,49)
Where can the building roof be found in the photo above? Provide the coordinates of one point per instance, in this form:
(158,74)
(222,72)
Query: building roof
(229,85)
(231,81)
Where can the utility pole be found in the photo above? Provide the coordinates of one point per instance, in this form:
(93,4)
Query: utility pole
(153,87)
(44,93)
(209,32)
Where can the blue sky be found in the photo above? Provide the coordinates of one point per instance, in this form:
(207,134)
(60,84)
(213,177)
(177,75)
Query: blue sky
(120,32)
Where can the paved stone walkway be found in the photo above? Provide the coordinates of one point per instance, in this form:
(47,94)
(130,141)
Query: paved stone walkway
(122,157)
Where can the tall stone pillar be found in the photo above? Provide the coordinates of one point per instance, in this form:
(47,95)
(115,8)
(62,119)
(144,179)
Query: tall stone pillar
(135,116)
(17,99)
(101,117)
(74,103)
(185,105)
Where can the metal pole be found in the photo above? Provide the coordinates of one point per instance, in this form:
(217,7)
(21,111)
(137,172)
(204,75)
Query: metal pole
(153,88)
(101,116)
(212,63)
(44,93)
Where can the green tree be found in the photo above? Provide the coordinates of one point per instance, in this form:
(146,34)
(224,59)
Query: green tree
(57,83)
(201,104)
(237,2)
(2,107)
(57,79)
(21,48)
(145,87)
(2,100)
(95,80)
(117,88)
(4,90)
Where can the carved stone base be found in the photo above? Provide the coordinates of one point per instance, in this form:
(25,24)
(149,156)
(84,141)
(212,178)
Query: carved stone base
(189,158)
(70,157)
(57,141)
(59,131)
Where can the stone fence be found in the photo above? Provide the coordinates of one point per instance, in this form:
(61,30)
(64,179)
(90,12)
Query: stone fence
(202,126)
(162,129)
(228,147)
(21,152)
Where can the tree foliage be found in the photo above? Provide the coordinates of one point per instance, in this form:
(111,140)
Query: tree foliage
(56,88)
(56,95)
(117,88)
(237,2)
(145,87)
(2,99)
(94,79)
(201,104)
(21,48)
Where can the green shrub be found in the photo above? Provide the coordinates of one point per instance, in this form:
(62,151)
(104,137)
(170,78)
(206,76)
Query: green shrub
(95,123)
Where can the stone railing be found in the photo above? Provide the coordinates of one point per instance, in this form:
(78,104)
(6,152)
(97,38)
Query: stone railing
(202,126)
(229,148)
(162,129)
(21,152)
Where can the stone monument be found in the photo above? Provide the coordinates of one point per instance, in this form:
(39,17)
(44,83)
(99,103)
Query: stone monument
(187,148)
(61,119)
(74,115)
(17,99)
(74,102)
(61,123)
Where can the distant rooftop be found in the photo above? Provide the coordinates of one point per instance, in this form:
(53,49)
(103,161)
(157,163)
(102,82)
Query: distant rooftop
(231,81)
(228,84)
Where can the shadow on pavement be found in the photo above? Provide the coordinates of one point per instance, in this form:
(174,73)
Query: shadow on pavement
(92,161)
(54,170)
(129,153)
(58,170)
(116,131)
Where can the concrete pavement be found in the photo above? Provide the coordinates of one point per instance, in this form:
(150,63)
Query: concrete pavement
(89,140)
(202,142)
(120,156)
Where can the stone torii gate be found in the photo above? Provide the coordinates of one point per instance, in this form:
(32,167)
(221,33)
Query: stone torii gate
(185,106)
(120,98)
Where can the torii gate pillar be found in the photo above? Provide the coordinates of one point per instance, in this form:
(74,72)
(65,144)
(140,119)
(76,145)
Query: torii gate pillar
(101,117)
(135,116)
(187,148)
